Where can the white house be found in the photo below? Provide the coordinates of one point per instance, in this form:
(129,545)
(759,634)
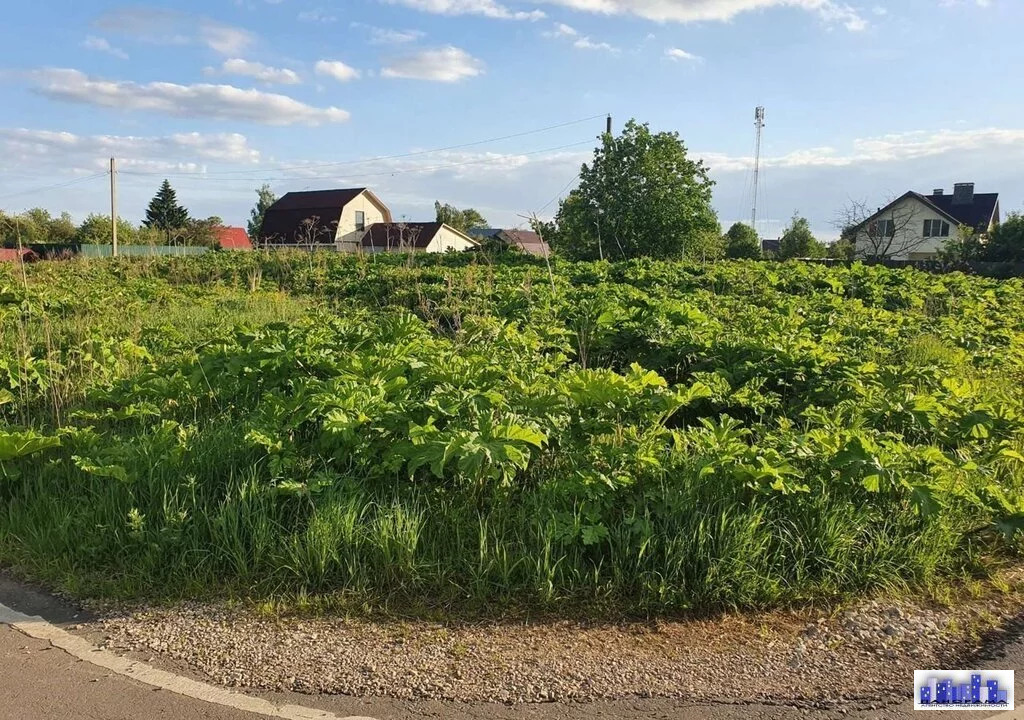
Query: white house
(352,220)
(916,226)
(323,217)
(431,237)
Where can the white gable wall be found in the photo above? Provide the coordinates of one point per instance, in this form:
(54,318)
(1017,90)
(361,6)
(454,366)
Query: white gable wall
(909,243)
(347,237)
(448,239)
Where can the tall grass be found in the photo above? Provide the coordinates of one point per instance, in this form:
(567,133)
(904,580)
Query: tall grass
(159,489)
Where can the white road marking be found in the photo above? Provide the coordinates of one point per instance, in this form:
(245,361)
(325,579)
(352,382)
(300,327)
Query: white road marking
(82,649)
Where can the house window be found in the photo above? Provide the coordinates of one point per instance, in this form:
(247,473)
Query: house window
(360,220)
(936,228)
(882,228)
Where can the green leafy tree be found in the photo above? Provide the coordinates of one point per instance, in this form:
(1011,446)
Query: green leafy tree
(95,230)
(843,249)
(265,197)
(640,196)
(36,226)
(1006,243)
(799,242)
(164,213)
(463,220)
(742,242)
(199,232)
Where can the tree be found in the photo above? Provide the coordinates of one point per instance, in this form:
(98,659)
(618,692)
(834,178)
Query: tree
(36,227)
(742,242)
(641,195)
(265,197)
(462,220)
(842,249)
(1006,243)
(884,233)
(164,213)
(95,230)
(799,242)
(965,245)
(199,232)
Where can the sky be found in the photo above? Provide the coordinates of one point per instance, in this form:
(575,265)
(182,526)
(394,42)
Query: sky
(495,104)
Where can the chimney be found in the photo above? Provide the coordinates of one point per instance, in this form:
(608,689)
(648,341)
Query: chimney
(963,194)
(938,191)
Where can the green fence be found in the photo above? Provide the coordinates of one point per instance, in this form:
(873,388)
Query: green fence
(102,251)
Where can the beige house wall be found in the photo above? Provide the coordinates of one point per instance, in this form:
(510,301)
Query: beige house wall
(448,238)
(347,237)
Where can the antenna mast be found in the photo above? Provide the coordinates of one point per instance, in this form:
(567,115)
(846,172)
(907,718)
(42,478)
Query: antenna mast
(759,125)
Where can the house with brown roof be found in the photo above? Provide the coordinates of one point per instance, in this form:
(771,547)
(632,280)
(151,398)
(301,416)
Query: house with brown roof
(323,218)
(522,240)
(430,237)
(916,226)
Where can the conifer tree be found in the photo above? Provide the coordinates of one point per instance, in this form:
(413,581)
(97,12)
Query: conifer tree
(164,213)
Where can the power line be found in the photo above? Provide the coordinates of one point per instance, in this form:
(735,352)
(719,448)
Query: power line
(54,186)
(379,158)
(548,203)
(389,173)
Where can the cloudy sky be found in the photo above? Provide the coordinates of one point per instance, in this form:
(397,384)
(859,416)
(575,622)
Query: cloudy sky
(496,103)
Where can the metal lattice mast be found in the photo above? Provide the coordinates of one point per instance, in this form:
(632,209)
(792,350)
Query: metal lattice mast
(759,125)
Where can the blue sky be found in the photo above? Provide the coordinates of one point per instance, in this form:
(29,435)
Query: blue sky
(864,101)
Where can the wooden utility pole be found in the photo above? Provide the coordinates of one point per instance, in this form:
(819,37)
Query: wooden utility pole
(113,204)
(609,130)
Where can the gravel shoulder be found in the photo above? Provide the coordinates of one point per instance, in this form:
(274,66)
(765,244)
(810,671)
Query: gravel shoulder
(849,662)
(859,658)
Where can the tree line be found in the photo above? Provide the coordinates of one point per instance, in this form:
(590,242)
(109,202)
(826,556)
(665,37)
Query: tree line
(167,222)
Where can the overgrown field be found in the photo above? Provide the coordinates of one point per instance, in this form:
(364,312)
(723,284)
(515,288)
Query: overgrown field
(644,435)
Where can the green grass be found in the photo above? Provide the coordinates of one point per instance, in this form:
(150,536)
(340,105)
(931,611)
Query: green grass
(395,434)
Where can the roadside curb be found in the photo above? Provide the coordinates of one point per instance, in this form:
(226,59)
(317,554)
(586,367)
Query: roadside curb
(38,628)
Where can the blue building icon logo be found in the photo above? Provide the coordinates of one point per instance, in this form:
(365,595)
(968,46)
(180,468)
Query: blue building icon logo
(963,690)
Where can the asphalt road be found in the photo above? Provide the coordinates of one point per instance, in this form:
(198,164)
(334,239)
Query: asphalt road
(39,681)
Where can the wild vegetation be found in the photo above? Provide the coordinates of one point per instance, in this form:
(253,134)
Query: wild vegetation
(649,435)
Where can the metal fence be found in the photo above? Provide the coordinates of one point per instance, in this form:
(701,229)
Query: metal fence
(105,251)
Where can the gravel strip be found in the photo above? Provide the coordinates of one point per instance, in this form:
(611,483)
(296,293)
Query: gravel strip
(859,657)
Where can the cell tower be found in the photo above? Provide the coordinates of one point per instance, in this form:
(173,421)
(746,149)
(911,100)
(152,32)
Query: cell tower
(759,125)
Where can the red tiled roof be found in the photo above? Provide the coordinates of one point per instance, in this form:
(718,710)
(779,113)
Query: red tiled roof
(13,254)
(233,238)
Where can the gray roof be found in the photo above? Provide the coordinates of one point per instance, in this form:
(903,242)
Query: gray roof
(977,214)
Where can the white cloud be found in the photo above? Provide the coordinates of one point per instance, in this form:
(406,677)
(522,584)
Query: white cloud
(685,11)
(388,36)
(583,42)
(681,55)
(99,44)
(487,8)
(64,150)
(158,26)
(222,102)
(448,64)
(317,16)
(258,71)
(225,39)
(337,70)
(894,148)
